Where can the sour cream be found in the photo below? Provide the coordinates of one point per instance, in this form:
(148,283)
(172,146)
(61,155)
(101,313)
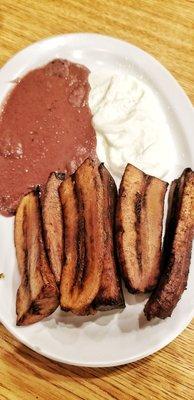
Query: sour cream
(130,124)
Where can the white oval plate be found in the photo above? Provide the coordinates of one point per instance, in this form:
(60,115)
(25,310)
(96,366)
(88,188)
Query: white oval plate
(110,338)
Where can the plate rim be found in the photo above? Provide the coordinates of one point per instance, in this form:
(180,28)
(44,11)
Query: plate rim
(100,364)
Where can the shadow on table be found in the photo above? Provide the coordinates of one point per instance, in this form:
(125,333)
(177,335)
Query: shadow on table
(37,361)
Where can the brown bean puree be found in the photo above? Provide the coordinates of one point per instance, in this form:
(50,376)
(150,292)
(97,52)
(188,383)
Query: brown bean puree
(45,126)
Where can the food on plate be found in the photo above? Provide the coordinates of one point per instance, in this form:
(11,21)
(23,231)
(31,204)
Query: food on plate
(37,296)
(176,249)
(130,124)
(139,219)
(74,234)
(45,126)
(85,222)
(110,294)
(82,204)
(78,215)
(53,224)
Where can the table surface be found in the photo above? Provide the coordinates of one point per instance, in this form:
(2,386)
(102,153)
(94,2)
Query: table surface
(164,29)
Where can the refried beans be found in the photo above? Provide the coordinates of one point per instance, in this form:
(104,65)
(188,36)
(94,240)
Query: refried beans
(45,126)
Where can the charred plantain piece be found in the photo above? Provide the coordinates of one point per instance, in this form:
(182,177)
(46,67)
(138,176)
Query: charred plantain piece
(110,294)
(53,224)
(176,250)
(82,204)
(37,296)
(139,218)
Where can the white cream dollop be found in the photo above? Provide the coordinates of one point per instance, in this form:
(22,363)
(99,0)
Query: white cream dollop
(130,124)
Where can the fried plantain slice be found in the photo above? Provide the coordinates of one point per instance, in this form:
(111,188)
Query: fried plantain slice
(82,204)
(176,249)
(110,295)
(37,296)
(53,224)
(139,218)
